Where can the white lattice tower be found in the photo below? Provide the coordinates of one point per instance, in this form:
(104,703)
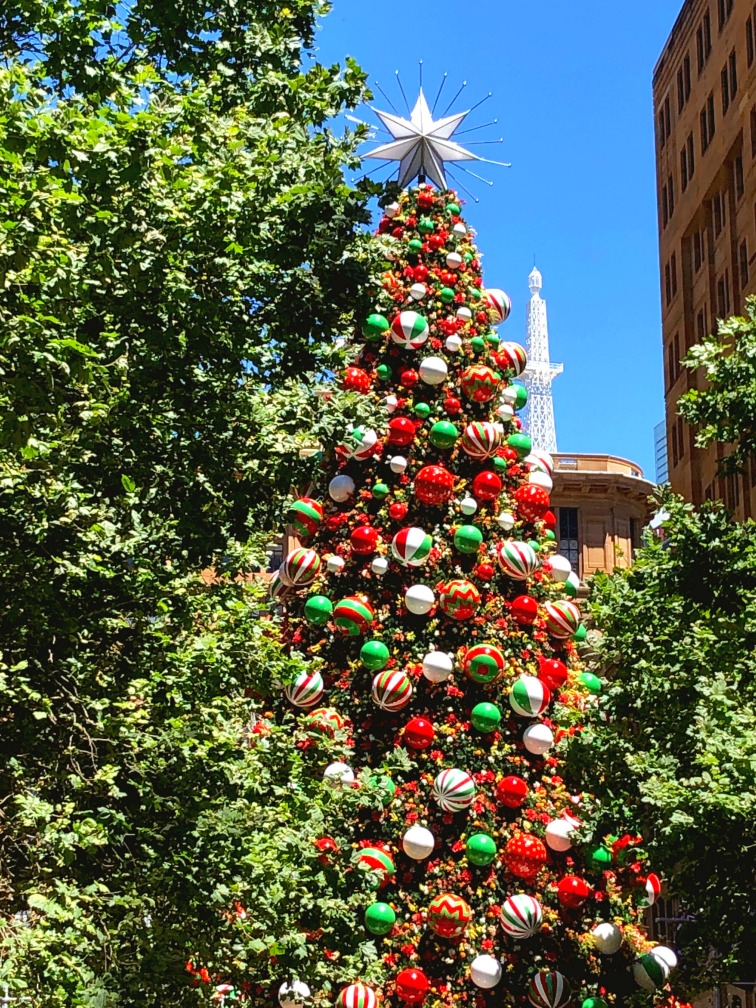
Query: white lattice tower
(540,372)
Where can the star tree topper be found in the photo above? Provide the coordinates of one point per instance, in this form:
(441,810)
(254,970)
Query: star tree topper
(421,144)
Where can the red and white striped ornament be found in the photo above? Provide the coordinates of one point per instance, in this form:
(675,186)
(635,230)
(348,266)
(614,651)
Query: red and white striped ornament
(518,559)
(521,916)
(409,329)
(300,568)
(529,696)
(359,443)
(392,689)
(498,303)
(411,546)
(305,690)
(511,357)
(481,439)
(454,790)
(562,618)
(357,996)
(548,989)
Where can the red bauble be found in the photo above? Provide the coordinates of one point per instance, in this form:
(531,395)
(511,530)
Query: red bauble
(507,453)
(397,232)
(485,571)
(419,733)
(436,241)
(447,278)
(355,378)
(452,405)
(524,609)
(434,485)
(398,510)
(532,501)
(512,791)
(401,431)
(326,845)
(420,273)
(412,985)
(487,486)
(549,520)
(573,891)
(553,672)
(408,378)
(525,855)
(364,539)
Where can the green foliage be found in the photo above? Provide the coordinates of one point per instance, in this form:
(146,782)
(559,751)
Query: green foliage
(725,407)
(672,747)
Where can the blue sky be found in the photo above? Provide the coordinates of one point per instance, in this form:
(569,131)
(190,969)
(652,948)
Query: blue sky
(571,89)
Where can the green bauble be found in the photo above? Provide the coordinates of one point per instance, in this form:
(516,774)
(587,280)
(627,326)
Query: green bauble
(446,294)
(469,257)
(443,434)
(590,681)
(478,344)
(386,787)
(595,1002)
(384,372)
(486,717)
(421,409)
(380,490)
(379,918)
(375,326)
(468,538)
(535,545)
(521,396)
(550,536)
(425,225)
(452,209)
(480,849)
(580,635)
(493,338)
(415,246)
(499,462)
(600,857)
(521,443)
(475,293)
(318,609)
(374,654)
(571,586)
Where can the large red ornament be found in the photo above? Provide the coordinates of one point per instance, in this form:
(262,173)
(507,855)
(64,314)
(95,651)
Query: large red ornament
(434,484)
(401,431)
(553,672)
(412,985)
(524,609)
(512,791)
(356,379)
(419,733)
(532,501)
(487,485)
(525,855)
(573,891)
(364,539)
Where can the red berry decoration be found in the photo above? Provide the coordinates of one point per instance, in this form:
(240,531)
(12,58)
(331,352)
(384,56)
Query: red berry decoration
(419,733)
(452,405)
(420,273)
(412,985)
(485,571)
(524,856)
(553,672)
(573,891)
(434,485)
(487,486)
(356,379)
(532,501)
(524,609)
(409,377)
(512,791)
(398,510)
(401,431)
(364,539)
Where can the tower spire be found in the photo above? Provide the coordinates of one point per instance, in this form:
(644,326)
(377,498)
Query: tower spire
(540,372)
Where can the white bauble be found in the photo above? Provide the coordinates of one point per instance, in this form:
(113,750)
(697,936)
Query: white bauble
(539,459)
(437,666)
(506,521)
(390,402)
(341,488)
(338,773)
(453,343)
(379,565)
(293,994)
(419,599)
(335,563)
(485,971)
(505,411)
(665,955)
(541,479)
(607,938)
(392,209)
(418,843)
(397,464)
(558,834)
(433,370)
(509,396)
(418,291)
(468,505)
(561,568)
(454,260)
(648,976)
(538,739)
(464,313)
(459,230)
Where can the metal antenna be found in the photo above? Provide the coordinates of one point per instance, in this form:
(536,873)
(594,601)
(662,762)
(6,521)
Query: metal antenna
(478,104)
(361,122)
(398,81)
(472,129)
(440,89)
(479,177)
(361,177)
(420,73)
(464,85)
(462,186)
(477,143)
(393,107)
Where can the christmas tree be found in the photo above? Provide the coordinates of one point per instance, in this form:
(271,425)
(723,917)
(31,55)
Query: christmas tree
(440,627)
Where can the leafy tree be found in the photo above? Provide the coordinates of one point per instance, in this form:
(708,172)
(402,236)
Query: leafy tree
(178,250)
(672,747)
(725,407)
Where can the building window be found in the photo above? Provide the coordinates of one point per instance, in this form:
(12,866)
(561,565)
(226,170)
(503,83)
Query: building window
(680,438)
(723,295)
(718,213)
(687,162)
(569,537)
(725,9)
(664,121)
(698,250)
(701,332)
(743,263)
(703,41)
(667,285)
(683,83)
(729,77)
(753,132)
(708,123)
(737,171)
(673,273)
(668,200)
(749,40)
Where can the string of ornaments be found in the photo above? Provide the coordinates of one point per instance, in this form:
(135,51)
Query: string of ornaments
(440,619)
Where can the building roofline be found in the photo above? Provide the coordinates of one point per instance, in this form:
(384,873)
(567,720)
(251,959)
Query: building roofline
(685,10)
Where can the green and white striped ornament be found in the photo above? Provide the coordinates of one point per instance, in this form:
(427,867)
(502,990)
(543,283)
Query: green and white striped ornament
(562,618)
(300,567)
(305,690)
(353,616)
(481,439)
(650,972)
(518,560)
(392,689)
(454,790)
(409,329)
(529,696)
(357,996)
(521,916)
